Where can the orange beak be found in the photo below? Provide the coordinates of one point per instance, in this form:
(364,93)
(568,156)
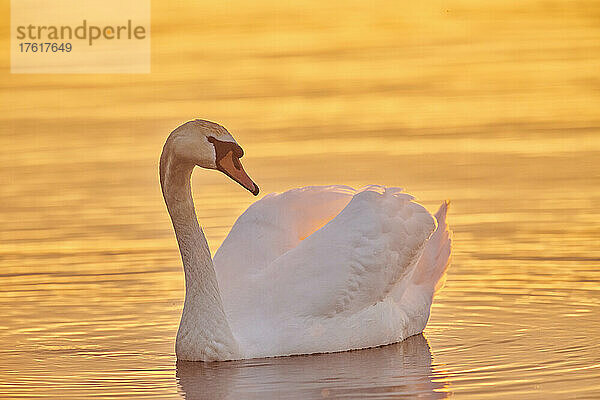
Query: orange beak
(231,166)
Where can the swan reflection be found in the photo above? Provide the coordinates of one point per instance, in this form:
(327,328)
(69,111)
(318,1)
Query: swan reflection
(397,370)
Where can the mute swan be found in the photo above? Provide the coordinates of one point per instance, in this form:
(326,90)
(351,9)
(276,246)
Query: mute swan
(318,269)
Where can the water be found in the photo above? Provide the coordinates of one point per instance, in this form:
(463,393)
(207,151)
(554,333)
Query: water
(494,107)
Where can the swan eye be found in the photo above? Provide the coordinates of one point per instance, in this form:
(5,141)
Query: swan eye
(223,148)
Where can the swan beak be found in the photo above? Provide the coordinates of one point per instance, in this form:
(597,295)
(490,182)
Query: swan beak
(231,166)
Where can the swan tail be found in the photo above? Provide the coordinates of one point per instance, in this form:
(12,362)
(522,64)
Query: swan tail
(435,260)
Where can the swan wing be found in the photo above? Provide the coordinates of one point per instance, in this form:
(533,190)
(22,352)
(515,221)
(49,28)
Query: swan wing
(274,225)
(351,263)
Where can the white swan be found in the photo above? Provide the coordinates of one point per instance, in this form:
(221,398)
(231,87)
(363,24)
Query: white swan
(311,270)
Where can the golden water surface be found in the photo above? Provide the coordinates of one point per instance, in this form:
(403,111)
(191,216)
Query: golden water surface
(494,105)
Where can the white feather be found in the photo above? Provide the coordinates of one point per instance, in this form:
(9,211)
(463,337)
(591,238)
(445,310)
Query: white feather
(363,279)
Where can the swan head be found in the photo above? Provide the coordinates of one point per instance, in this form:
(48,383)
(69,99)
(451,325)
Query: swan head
(209,145)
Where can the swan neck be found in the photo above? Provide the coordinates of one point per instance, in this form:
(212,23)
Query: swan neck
(204,333)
